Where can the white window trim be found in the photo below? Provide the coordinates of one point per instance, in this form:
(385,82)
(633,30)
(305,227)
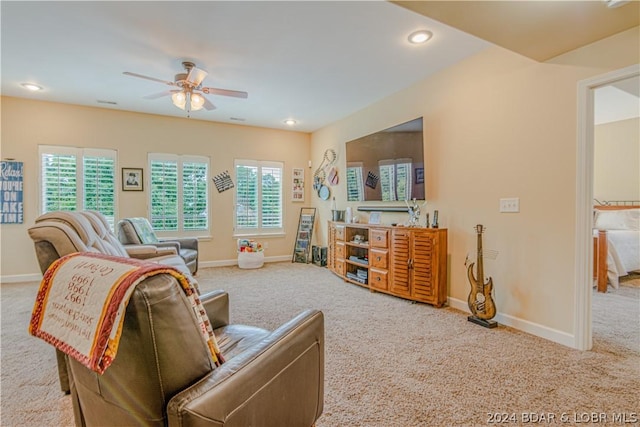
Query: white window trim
(180,159)
(79,153)
(259,231)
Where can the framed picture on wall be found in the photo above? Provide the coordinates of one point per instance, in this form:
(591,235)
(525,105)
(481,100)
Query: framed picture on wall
(132,179)
(297,185)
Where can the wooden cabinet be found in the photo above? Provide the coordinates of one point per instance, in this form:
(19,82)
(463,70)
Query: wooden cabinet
(419,264)
(406,262)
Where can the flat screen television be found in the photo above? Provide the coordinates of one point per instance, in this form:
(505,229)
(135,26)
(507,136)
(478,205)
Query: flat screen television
(387,165)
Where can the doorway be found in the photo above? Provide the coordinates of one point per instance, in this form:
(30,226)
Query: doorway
(584,200)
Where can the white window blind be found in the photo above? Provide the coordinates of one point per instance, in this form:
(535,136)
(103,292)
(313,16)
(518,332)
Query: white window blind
(258,197)
(78,178)
(178,192)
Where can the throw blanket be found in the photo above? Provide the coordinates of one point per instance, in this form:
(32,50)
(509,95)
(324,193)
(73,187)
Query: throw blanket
(82,300)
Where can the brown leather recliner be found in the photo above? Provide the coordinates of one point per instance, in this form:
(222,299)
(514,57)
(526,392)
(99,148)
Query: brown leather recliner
(60,233)
(138,231)
(163,374)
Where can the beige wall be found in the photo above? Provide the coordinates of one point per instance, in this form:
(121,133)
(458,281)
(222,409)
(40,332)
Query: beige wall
(26,124)
(499,125)
(617,160)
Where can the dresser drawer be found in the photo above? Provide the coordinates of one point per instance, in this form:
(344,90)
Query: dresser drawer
(339,267)
(379,258)
(340,250)
(340,232)
(378,238)
(378,279)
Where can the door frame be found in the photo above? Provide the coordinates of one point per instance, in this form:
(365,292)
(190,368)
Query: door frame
(583,334)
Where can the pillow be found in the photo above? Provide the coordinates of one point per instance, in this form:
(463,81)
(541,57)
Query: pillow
(144,231)
(626,219)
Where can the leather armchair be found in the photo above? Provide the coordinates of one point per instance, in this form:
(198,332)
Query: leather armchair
(162,374)
(60,233)
(138,231)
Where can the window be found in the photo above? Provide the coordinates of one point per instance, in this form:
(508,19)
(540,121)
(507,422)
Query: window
(178,192)
(78,178)
(395,179)
(258,197)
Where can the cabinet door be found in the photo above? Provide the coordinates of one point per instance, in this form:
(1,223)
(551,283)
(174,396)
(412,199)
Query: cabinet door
(400,260)
(423,286)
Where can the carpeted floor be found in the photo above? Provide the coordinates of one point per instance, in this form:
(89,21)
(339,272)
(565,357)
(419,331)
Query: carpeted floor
(388,362)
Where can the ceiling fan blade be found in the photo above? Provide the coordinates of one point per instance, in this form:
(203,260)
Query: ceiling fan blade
(161,94)
(208,105)
(225,92)
(128,73)
(196,76)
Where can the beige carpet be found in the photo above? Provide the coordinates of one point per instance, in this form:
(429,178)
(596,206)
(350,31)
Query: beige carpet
(388,362)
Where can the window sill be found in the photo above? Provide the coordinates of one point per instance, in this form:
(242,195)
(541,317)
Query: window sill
(260,235)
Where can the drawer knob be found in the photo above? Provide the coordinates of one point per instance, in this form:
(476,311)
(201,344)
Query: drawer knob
(378,279)
(378,258)
(379,238)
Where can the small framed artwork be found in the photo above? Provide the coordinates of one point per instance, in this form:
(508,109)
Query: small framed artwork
(297,185)
(132,179)
(375,217)
(419,175)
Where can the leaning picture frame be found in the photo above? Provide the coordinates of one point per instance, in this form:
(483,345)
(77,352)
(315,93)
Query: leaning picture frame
(375,217)
(132,179)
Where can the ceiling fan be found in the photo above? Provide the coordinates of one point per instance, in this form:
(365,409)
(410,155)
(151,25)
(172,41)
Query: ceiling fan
(188,84)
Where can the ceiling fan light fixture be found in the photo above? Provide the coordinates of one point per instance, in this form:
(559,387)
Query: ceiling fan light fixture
(420,36)
(179,99)
(197,102)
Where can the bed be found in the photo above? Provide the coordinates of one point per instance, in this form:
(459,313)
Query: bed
(616,242)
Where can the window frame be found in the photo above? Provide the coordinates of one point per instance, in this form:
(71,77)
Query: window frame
(80,155)
(180,160)
(260,229)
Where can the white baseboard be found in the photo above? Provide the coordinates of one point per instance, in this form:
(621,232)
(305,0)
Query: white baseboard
(234,261)
(17,278)
(522,325)
(36,277)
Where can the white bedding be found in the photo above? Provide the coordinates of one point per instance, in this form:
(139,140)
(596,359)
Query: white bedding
(623,236)
(624,254)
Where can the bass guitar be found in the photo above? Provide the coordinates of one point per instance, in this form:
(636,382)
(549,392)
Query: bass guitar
(480,300)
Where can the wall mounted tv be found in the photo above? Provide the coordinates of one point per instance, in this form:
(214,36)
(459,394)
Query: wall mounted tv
(387,165)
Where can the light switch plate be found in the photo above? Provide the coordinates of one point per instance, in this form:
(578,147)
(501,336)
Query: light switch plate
(510,205)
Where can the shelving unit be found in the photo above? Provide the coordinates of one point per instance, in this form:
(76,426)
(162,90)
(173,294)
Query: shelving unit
(302,247)
(406,262)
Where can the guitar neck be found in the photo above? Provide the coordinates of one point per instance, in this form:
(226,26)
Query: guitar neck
(480,262)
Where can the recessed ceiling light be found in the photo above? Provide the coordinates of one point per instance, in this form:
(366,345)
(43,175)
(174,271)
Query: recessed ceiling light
(290,122)
(420,36)
(31,86)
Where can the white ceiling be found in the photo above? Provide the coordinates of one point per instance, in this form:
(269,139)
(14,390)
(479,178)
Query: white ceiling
(314,61)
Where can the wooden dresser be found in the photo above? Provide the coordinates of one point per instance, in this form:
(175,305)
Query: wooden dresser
(406,262)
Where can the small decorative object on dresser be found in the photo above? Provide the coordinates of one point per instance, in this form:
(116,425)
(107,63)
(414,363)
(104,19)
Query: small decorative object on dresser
(375,217)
